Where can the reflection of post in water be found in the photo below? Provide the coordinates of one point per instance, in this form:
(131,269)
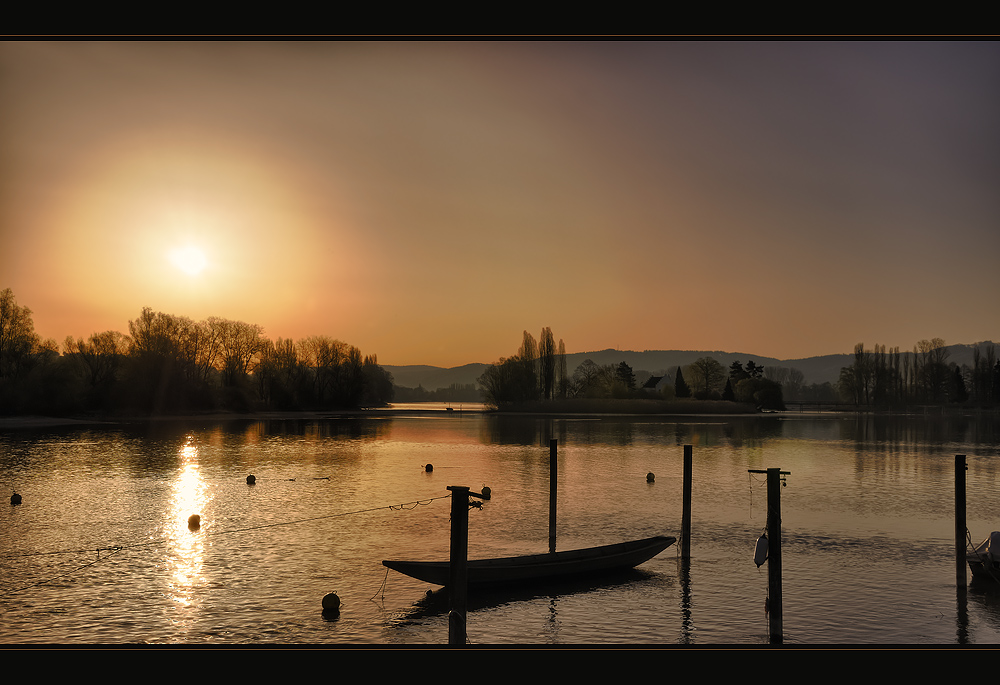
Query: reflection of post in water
(687,625)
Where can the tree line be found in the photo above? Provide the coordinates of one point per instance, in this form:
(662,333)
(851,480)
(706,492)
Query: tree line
(887,378)
(168,364)
(537,371)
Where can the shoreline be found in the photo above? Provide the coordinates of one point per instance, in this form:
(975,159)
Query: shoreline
(29,421)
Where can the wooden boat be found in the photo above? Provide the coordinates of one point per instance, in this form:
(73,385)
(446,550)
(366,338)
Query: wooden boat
(984,560)
(551,566)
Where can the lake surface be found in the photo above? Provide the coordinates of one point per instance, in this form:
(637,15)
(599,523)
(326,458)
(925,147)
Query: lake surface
(100,550)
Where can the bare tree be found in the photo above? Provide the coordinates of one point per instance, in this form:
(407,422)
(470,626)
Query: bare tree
(707,375)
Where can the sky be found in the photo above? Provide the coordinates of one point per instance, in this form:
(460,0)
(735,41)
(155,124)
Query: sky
(427,202)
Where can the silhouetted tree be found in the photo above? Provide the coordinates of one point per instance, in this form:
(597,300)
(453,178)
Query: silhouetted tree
(959,393)
(18,340)
(681,388)
(727,392)
(707,375)
(561,373)
(625,376)
(100,359)
(547,363)
(761,392)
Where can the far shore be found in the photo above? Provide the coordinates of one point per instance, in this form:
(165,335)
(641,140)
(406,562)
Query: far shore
(597,409)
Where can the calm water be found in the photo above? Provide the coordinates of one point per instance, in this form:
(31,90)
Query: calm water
(100,550)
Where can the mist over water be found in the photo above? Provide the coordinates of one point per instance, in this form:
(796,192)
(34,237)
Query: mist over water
(100,550)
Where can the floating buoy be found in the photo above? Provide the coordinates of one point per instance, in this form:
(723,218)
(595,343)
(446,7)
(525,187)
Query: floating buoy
(194,522)
(429,468)
(486,492)
(251,479)
(650,477)
(760,553)
(331,602)
(15,499)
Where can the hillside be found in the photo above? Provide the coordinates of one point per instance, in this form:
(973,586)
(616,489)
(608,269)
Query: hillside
(822,369)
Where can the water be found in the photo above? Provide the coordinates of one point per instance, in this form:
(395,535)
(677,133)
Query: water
(100,551)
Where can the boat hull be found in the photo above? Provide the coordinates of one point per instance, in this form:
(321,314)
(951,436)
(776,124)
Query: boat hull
(540,567)
(984,559)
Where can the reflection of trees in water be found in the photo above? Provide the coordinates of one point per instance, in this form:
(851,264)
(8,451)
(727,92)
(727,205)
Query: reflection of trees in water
(924,433)
(625,431)
(508,429)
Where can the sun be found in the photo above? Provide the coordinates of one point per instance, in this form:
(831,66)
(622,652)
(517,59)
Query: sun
(188,259)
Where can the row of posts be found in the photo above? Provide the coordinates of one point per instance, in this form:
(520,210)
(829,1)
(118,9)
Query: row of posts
(458,581)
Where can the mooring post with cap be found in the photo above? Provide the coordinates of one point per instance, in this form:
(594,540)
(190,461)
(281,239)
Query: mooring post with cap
(774,603)
(960,523)
(553,485)
(686,500)
(458,570)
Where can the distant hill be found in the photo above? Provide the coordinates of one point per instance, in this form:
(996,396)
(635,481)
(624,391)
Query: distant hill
(434,377)
(817,370)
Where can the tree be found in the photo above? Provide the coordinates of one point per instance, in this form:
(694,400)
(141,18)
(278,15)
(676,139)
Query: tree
(508,381)
(761,392)
(959,393)
(589,380)
(161,367)
(707,375)
(18,340)
(547,363)
(736,372)
(100,358)
(238,344)
(561,375)
(727,393)
(681,388)
(626,377)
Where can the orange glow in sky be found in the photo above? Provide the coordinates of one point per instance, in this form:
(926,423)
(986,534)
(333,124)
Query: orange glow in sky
(426,202)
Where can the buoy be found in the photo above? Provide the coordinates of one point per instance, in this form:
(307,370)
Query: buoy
(486,492)
(760,553)
(331,602)
(251,479)
(650,477)
(429,468)
(194,522)
(15,499)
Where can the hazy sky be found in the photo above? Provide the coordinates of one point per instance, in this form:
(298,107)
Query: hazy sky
(427,202)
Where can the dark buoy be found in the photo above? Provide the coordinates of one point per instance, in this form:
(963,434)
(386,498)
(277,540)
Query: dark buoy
(251,479)
(194,522)
(15,499)
(650,477)
(429,468)
(331,603)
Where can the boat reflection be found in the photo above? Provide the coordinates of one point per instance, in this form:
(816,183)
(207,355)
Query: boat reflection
(435,602)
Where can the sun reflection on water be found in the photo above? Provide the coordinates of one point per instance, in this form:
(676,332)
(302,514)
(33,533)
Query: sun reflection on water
(190,498)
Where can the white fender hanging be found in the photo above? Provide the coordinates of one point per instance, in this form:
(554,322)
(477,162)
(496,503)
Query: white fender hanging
(760,554)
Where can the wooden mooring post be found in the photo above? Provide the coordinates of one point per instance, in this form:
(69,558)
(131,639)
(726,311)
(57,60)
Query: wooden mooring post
(686,500)
(960,522)
(774,601)
(553,486)
(458,571)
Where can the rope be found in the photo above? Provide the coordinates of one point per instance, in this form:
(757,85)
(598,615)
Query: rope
(405,506)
